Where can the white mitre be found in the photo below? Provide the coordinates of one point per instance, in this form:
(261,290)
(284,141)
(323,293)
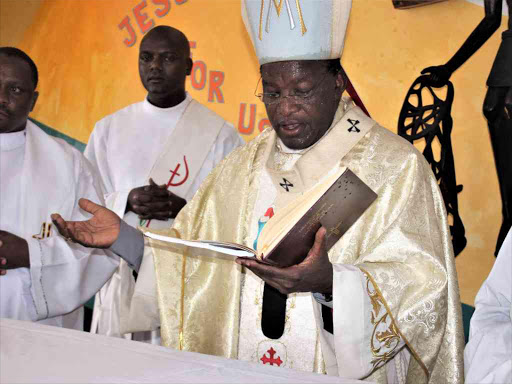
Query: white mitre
(283,30)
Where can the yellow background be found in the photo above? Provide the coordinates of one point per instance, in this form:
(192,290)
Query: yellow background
(87,72)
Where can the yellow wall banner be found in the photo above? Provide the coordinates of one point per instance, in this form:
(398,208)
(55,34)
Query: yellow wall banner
(202,78)
(87,55)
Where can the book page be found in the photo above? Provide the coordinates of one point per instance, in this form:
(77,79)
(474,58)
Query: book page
(335,203)
(203,248)
(284,220)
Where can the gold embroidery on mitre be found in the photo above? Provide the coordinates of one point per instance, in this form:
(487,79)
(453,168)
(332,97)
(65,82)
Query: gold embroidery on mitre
(302,25)
(279,7)
(385,336)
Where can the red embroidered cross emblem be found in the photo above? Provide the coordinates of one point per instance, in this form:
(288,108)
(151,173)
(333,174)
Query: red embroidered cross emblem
(270,360)
(175,173)
(171,183)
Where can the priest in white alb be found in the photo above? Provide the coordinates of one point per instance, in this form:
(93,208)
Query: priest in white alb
(43,277)
(168,139)
(381,305)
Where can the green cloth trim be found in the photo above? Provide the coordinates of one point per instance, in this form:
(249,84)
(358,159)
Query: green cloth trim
(467,313)
(52,132)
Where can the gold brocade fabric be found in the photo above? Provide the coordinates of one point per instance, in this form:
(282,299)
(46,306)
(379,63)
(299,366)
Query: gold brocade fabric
(401,243)
(199,298)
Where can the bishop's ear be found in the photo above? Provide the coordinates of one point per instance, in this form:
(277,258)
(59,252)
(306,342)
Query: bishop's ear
(341,80)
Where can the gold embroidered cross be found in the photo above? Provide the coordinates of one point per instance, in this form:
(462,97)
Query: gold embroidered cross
(334,230)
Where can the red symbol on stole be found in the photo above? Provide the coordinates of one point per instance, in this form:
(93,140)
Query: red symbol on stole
(170,183)
(175,173)
(270,360)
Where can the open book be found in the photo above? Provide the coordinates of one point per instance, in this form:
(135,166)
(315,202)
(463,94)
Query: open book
(334,203)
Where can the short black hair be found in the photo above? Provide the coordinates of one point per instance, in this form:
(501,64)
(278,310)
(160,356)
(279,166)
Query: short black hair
(334,66)
(166,31)
(15,52)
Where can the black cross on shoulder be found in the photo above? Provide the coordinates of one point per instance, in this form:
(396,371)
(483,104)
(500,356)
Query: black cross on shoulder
(353,127)
(286,185)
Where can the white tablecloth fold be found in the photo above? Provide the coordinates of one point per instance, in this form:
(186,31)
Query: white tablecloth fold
(34,353)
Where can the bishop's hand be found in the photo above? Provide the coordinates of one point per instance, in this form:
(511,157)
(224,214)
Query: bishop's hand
(101,231)
(154,202)
(314,274)
(438,75)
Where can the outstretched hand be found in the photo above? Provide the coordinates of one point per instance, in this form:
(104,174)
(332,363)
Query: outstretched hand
(438,75)
(101,231)
(314,274)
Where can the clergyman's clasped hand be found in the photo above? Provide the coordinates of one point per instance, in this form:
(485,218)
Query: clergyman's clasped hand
(100,231)
(154,202)
(314,274)
(13,252)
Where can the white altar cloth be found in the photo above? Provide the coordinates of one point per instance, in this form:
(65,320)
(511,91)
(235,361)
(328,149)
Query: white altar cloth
(35,353)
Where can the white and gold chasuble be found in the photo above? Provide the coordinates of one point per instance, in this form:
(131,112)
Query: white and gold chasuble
(295,348)
(287,174)
(396,308)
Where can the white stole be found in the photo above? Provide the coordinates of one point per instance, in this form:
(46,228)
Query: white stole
(183,155)
(177,165)
(321,158)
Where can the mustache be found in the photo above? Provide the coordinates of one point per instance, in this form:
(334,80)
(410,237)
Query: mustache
(4,109)
(288,122)
(153,74)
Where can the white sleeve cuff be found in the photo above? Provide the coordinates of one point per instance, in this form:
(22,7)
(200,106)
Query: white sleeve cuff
(359,317)
(36,274)
(351,321)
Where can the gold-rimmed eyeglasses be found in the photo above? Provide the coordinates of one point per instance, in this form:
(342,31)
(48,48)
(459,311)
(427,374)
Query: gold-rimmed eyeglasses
(299,97)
